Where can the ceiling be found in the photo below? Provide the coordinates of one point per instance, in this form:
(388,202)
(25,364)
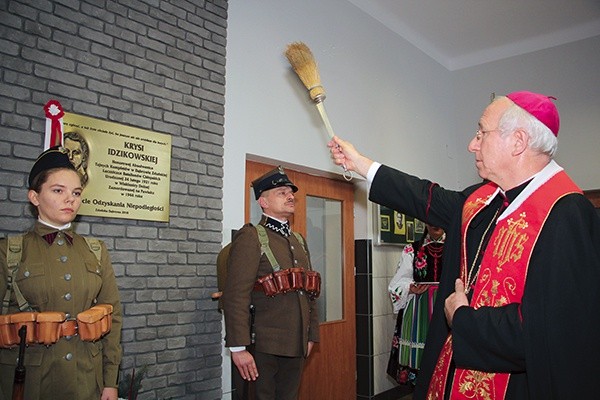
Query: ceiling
(464,33)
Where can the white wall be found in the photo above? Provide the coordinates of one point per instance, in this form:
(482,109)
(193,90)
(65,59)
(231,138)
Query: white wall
(569,73)
(392,101)
(380,92)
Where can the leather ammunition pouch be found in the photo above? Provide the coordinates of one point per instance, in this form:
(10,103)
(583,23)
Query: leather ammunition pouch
(266,283)
(296,278)
(282,281)
(94,323)
(312,283)
(290,280)
(49,326)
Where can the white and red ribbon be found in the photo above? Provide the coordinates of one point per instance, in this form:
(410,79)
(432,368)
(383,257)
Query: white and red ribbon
(54,124)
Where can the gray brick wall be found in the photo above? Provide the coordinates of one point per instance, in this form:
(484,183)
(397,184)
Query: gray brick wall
(152,64)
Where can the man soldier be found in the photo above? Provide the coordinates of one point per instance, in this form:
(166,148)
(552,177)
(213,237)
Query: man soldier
(270,343)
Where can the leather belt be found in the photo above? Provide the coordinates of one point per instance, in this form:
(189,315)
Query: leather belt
(68,328)
(48,327)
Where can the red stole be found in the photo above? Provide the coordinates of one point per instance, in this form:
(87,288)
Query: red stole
(501,278)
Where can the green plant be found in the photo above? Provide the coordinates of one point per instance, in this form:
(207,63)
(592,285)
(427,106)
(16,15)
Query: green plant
(131,383)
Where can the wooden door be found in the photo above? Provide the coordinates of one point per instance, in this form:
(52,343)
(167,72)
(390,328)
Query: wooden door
(330,371)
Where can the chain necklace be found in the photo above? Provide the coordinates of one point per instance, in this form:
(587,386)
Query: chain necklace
(471,279)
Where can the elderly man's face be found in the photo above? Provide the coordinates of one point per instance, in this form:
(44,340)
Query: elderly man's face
(492,150)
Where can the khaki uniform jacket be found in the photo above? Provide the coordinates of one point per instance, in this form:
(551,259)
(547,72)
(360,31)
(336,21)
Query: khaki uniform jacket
(285,323)
(67,278)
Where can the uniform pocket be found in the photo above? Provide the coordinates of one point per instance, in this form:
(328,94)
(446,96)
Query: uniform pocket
(31,280)
(93,278)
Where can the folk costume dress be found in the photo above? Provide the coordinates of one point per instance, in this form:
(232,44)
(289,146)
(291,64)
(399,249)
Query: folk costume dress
(546,340)
(419,262)
(59,272)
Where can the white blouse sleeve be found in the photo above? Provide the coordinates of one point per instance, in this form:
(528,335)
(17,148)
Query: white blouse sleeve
(400,284)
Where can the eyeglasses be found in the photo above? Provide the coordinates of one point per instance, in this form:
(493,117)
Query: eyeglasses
(480,133)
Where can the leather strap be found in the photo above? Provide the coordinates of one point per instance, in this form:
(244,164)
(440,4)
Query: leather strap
(68,328)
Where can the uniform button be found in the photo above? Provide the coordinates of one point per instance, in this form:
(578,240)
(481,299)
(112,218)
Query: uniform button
(64,259)
(296,262)
(69,337)
(67,296)
(26,274)
(67,316)
(292,247)
(67,277)
(69,357)
(60,241)
(97,271)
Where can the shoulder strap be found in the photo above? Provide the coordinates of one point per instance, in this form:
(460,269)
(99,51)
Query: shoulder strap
(14,252)
(265,248)
(95,247)
(300,239)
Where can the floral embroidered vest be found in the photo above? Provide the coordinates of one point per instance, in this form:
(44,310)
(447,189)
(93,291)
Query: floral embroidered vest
(501,278)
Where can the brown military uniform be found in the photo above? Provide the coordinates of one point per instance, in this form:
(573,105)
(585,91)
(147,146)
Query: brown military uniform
(284,324)
(68,278)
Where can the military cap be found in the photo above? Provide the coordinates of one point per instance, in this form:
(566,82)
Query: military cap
(54,157)
(271,180)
